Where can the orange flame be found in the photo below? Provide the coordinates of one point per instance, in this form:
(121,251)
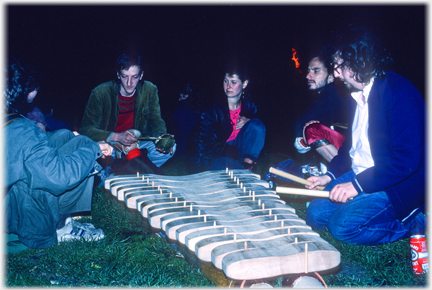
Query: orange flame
(295,59)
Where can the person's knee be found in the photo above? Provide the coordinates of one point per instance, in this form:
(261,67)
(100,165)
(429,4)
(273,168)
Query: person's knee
(63,134)
(314,132)
(255,125)
(344,231)
(314,217)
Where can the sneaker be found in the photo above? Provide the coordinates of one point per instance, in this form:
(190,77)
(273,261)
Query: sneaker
(323,168)
(248,166)
(311,170)
(74,230)
(97,168)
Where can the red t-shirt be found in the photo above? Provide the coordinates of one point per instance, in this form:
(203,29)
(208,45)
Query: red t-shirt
(126,113)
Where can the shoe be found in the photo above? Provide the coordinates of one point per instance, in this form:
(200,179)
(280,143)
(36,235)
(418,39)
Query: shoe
(248,166)
(323,168)
(74,230)
(311,170)
(97,168)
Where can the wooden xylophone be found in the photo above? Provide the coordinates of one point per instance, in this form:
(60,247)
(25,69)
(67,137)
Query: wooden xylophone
(229,218)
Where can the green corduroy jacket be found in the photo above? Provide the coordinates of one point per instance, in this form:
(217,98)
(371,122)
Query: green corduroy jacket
(101,112)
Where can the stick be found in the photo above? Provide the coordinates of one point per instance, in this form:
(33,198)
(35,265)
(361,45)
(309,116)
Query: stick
(292,177)
(147,138)
(300,191)
(306,258)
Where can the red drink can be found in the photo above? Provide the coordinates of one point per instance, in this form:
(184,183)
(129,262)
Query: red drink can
(419,254)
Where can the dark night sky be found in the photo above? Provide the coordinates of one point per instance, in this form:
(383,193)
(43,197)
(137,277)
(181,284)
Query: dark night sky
(75,47)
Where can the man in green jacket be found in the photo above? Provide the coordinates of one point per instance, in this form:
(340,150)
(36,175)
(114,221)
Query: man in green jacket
(121,110)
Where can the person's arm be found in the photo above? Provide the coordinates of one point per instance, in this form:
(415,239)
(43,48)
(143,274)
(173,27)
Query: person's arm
(156,125)
(45,169)
(396,135)
(125,138)
(93,118)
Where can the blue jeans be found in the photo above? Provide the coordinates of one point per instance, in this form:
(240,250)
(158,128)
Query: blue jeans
(367,219)
(249,143)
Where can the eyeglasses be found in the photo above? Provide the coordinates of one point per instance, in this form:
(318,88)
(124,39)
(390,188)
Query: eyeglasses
(338,66)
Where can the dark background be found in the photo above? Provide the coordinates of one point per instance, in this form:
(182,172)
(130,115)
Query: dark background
(75,47)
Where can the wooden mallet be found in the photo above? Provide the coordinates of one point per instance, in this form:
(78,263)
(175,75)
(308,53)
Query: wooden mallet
(292,177)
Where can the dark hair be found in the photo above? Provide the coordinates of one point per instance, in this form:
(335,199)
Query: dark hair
(128,59)
(325,58)
(19,82)
(195,96)
(363,53)
(322,57)
(237,68)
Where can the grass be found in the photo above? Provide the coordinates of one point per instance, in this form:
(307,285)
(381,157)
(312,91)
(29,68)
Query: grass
(132,256)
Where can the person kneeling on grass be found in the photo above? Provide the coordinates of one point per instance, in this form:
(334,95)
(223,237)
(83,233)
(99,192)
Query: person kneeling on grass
(48,175)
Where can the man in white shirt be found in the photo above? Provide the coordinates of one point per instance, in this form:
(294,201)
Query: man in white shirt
(376,182)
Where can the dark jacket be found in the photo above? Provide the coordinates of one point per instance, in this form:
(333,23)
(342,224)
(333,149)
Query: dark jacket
(101,112)
(397,142)
(328,108)
(184,119)
(35,176)
(211,132)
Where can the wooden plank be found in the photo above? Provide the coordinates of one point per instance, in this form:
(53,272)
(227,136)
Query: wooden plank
(276,260)
(215,248)
(193,177)
(172,226)
(139,196)
(199,189)
(193,237)
(134,197)
(184,210)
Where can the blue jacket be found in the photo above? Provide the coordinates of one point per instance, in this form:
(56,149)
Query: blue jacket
(36,175)
(397,141)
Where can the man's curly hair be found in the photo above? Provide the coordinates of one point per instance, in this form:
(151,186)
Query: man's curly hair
(363,53)
(19,82)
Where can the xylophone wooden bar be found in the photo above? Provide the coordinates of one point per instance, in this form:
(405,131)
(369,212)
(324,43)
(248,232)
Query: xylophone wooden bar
(229,218)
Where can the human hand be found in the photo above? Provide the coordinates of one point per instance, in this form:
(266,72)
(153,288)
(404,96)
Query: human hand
(125,138)
(41,126)
(105,148)
(161,150)
(241,122)
(307,124)
(318,180)
(342,192)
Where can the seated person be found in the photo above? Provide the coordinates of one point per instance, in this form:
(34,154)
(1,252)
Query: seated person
(123,109)
(186,114)
(377,180)
(32,111)
(48,176)
(319,124)
(228,134)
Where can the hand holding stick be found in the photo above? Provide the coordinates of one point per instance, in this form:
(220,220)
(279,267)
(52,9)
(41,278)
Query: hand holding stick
(293,177)
(300,191)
